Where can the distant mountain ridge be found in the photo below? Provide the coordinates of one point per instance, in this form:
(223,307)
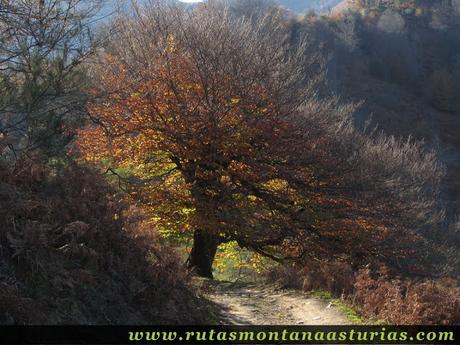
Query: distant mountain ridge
(302,6)
(298,6)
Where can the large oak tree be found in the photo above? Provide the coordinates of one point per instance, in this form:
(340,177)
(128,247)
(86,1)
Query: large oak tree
(214,123)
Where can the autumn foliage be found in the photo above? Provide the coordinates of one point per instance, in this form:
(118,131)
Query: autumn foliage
(221,133)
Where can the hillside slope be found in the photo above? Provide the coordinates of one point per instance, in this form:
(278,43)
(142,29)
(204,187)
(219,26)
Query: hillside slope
(70,253)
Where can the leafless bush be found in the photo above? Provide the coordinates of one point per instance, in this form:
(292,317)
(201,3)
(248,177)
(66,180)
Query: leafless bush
(218,45)
(379,164)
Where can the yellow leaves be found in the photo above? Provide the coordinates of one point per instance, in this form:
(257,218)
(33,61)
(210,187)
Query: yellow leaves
(276,185)
(170,44)
(229,254)
(231,258)
(238,167)
(252,198)
(187,210)
(225,179)
(234,101)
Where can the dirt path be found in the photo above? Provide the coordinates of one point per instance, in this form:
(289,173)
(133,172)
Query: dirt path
(252,304)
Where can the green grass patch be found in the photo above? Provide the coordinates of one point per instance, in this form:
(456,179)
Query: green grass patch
(351,313)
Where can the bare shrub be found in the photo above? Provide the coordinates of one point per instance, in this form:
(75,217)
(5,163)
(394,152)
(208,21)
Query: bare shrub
(388,187)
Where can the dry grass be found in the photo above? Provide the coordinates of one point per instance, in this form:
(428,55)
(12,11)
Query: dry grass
(408,302)
(71,253)
(376,294)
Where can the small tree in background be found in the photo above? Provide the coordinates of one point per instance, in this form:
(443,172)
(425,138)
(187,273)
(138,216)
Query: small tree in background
(43,44)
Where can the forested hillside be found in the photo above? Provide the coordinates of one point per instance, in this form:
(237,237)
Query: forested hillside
(147,147)
(403,59)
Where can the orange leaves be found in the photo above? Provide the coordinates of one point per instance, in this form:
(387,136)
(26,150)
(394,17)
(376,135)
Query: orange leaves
(92,144)
(337,202)
(227,147)
(352,225)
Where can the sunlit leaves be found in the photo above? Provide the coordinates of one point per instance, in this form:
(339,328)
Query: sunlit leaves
(222,136)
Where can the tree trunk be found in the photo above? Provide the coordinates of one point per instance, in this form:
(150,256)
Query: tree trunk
(203,252)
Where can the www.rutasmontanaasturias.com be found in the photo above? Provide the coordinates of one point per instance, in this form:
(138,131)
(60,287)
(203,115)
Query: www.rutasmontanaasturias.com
(290,336)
